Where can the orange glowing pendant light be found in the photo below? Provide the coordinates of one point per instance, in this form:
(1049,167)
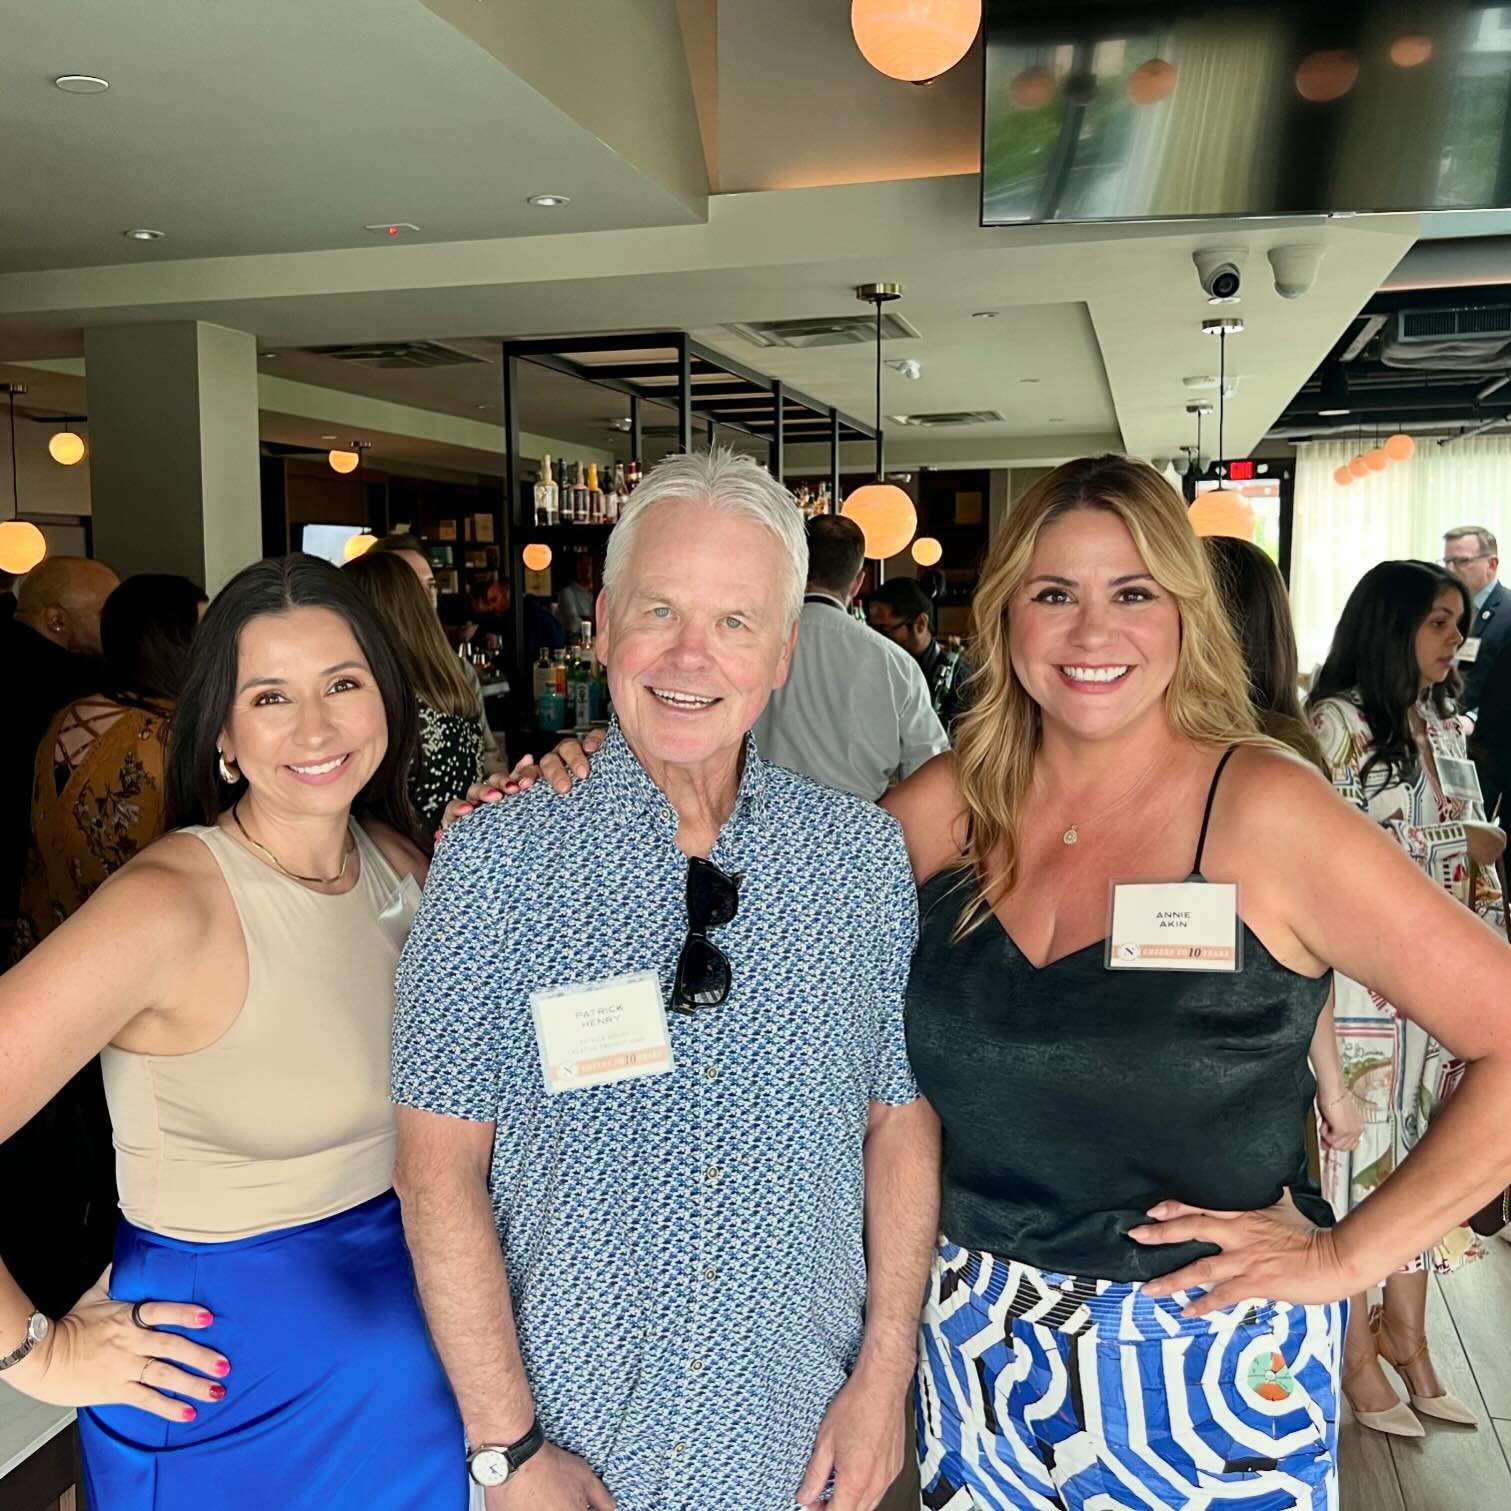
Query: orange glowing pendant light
(885,513)
(914,40)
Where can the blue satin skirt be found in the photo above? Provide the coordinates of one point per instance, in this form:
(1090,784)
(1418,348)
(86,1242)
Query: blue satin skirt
(335,1397)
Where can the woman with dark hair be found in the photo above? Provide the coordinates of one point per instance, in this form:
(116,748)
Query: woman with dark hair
(1383,707)
(1259,609)
(257,1339)
(450,755)
(97,793)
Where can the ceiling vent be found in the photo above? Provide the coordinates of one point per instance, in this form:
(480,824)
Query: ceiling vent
(1471,323)
(832,330)
(407,356)
(949,417)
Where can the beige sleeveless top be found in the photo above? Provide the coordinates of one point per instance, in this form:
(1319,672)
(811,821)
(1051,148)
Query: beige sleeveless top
(285,1119)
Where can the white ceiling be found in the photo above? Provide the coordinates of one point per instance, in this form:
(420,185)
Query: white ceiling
(262,137)
(281,126)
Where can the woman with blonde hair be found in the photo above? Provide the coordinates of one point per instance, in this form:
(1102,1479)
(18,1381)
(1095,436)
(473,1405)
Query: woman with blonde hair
(1123,1107)
(450,756)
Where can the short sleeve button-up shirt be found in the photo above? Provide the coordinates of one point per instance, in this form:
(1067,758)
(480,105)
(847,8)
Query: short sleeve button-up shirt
(685,1250)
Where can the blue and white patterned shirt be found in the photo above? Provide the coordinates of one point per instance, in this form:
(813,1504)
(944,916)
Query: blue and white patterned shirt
(684,1251)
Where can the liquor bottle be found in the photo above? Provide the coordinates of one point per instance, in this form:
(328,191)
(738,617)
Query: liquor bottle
(621,491)
(634,474)
(559,674)
(544,678)
(579,496)
(545,494)
(580,704)
(595,496)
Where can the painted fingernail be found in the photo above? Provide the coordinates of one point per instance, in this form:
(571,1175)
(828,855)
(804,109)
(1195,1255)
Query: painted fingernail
(217,1392)
(222,1366)
(204,1319)
(188,1414)
(492,792)
(462,808)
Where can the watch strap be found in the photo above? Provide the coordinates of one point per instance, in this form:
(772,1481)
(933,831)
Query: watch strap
(30,1341)
(527,1447)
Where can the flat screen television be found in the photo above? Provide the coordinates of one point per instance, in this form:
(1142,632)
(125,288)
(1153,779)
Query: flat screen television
(1107,110)
(328,541)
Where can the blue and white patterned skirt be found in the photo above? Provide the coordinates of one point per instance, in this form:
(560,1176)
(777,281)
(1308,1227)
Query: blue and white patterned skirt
(1043,1390)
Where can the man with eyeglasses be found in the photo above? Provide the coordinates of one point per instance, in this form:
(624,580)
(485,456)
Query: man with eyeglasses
(904,613)
(669,1189)
(1471,554)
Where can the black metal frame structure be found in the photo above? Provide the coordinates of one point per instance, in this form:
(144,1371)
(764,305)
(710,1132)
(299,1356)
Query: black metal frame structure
(671,369)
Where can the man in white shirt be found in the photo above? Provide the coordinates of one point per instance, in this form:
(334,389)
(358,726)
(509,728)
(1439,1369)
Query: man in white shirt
(856,712)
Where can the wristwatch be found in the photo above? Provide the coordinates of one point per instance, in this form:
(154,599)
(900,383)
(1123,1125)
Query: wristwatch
(492,1465)
(37,1328)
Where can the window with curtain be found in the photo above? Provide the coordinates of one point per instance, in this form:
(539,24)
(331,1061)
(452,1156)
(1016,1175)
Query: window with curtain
(1339,533)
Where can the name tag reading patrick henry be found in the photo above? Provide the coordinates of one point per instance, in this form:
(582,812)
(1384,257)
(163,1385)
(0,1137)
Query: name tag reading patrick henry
(1174,926)
(600,1033)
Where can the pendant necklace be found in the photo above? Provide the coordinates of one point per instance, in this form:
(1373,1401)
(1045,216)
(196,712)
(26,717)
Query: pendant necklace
(1072,835)
(316,881)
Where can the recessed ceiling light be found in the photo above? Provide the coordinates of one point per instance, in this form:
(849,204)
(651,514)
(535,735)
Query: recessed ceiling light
(142,234)
(1329,414)
(268,355)
(82,83)
(483,406)
(327,438)
(983,314)
(549,201)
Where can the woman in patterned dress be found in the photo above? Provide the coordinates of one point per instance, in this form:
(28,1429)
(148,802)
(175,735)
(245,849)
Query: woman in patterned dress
(97,798)
(450,756)
(1382,707)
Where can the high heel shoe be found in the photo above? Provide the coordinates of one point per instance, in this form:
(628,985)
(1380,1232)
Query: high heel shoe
(1399,1421)
(1446,1407)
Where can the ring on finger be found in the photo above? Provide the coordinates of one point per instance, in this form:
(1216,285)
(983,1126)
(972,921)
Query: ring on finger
(136,1314)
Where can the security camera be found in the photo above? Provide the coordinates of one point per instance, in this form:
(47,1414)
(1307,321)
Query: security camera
(1220,271)
(1295,269)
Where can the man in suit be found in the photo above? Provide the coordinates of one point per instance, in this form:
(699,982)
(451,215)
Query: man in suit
(1471,554)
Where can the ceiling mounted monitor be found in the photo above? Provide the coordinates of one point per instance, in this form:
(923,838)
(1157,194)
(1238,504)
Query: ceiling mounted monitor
(1187,109)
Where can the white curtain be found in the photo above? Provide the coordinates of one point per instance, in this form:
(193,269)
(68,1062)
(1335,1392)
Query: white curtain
(1339,533)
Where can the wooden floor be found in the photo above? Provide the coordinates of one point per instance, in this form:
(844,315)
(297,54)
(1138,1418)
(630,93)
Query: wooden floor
(1452,1468)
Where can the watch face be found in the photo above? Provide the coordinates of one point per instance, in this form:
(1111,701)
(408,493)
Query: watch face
(38,1328)
(489,1466)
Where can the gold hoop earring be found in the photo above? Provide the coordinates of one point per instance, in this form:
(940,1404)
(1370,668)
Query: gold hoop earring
(230,773)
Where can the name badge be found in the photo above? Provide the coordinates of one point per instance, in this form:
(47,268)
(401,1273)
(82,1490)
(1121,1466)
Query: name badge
(1174,926)
(1459,779)
(599,1033)
(1469,650)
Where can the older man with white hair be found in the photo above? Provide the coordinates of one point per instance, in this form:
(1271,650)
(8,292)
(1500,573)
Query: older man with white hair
(670,1193)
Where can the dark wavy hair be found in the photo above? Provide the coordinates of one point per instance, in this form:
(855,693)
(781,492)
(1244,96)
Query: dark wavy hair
(1253,592)
(1374,654)
(146,629)
(195,792)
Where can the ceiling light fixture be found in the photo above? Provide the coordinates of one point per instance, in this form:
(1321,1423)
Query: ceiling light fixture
(983,314)
(885,514)
(536,556)
(1221,510)
(66,448)
(81,83)
(22,544)
(549,201)
(141,233)
(348,460)
(914,40)
(927,551)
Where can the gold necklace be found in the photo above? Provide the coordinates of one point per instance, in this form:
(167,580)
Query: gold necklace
(316,881)
(1072,835)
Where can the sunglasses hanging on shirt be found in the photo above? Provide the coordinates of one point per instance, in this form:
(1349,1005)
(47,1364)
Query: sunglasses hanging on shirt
(703,973)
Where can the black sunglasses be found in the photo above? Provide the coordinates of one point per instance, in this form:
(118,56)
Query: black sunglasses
(703,974)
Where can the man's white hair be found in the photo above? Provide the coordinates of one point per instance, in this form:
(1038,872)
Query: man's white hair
(726,480)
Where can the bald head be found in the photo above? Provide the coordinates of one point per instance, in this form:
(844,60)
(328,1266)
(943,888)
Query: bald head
(62,599)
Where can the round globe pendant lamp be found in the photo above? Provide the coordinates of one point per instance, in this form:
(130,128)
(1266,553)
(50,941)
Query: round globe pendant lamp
(1400,447)
(1221,511)
(343,461)
(885,513)
(22,545)
(1358,466)
(1377,459)
(358,545)
(927,551)
(1343,477)
(536,557)
(66,448)
(914,40)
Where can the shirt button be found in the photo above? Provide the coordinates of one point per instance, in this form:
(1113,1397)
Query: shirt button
(696,1365)
(711,1175)
(710,1274)
(710,1072)
(680,1449)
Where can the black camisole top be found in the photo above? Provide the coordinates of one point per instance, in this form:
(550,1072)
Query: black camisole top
(1073,1098)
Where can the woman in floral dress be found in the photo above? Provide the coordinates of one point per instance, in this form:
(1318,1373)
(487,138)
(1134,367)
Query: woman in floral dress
(1382,707)
(97,798)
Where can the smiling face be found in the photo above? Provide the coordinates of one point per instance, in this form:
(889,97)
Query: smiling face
(307,725)
(1438,637)
(696,635)
(1094,639)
